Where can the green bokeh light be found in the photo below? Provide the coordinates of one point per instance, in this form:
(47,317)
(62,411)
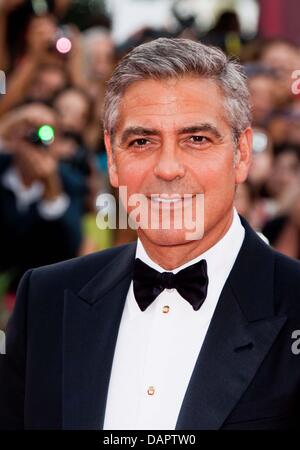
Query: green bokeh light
(46,134)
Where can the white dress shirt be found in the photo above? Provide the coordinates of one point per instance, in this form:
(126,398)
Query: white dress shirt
(25,196)
(157,349)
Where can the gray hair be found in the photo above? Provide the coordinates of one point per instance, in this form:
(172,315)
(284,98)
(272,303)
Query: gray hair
(173,58)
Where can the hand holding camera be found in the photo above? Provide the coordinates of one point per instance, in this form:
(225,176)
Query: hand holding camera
(28,133)
(46,42)
(16,124)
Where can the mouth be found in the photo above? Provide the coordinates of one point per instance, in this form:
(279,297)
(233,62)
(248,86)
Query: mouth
(166,199)
(173,199)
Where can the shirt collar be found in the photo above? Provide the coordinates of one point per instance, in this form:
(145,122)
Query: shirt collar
(214,256)
(220,259)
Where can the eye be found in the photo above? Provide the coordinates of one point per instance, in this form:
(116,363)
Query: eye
(140,142)
(198,139)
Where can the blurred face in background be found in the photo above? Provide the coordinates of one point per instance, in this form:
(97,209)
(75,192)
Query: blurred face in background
(262,89)
(294,122)
(100,53)
(47,82)
(284,59)
(285,124)
(285,171)
(73,110)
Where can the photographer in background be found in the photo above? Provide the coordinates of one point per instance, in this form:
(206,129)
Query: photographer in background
(41,199)
(15,16)
(46,47)
(283,187)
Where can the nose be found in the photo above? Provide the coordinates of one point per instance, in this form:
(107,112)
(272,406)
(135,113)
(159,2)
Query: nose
(168,166)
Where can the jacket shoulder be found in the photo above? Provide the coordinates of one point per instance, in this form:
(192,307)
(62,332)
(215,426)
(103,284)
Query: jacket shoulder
(287,283)
(75,272)
(287,268)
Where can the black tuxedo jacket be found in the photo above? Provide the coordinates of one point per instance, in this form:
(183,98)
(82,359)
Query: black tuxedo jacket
(62,335)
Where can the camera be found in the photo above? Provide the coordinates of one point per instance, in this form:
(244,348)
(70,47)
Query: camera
(41,137)
(62,41)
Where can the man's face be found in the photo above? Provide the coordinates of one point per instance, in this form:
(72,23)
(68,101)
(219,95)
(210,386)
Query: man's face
(172,137)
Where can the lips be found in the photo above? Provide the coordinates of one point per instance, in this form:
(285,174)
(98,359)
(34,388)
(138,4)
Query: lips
(166,199)
(172,200)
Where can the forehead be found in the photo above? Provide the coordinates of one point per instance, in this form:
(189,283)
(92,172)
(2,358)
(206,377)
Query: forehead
(100,45)
(72,98)
(281,53)
(172,102)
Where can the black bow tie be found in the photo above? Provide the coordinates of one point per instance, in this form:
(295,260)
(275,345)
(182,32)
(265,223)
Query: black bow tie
(191,283)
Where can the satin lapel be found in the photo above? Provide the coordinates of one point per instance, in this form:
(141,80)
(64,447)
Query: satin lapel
(241,333)
(91,323)
(231,354)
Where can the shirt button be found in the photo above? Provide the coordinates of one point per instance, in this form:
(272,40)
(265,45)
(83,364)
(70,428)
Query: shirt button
(166,309)
(151,390)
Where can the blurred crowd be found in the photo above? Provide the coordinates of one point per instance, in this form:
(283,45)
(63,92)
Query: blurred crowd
(52,157)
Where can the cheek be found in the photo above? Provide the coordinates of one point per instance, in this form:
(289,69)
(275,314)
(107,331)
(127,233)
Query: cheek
(133,181)
(215,174)
(131,173)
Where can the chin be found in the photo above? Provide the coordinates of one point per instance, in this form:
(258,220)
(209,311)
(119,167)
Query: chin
(165,237)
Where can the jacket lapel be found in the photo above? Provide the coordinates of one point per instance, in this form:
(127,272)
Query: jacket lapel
(91,323)
(240,335)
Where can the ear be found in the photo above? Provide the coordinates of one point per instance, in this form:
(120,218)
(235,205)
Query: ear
(244,156)
(112,167)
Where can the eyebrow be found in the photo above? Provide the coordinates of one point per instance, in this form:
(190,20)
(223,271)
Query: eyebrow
(142,131)
(137,131)
(206,127)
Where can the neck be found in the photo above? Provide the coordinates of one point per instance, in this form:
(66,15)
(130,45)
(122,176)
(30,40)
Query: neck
(170,257)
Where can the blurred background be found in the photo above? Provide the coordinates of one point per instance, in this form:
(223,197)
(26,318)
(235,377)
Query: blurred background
(55,58)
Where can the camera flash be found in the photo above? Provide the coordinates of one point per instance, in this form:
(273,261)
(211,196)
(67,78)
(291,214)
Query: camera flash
(46,134)
(63,45)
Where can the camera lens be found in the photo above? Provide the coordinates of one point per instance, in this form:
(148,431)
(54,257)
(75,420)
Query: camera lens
(46,134)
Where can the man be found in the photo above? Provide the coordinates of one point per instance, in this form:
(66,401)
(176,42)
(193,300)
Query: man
(112,341)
